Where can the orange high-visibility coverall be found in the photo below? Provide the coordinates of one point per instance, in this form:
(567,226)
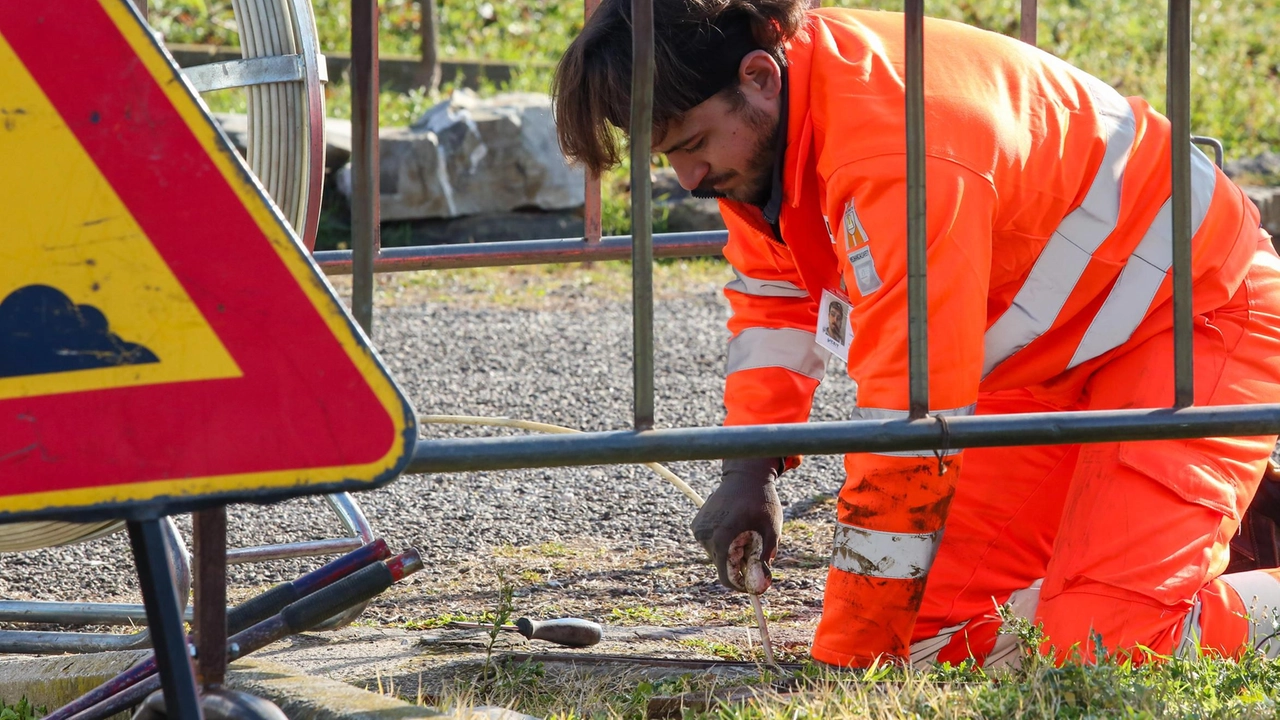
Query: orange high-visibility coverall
(1048,224)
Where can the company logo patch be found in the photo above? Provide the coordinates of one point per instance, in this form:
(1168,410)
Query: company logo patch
(854,233)
(864,271)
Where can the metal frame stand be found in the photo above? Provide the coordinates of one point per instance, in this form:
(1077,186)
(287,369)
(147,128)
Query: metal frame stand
(164,618)
(37,642)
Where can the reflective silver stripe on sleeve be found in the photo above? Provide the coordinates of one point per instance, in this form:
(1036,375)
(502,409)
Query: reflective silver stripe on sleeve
(787,348)
(896,556)
(1130,298)
(861,413)
(1063,260)
(765,288)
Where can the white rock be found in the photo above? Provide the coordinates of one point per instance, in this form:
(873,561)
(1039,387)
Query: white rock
(473,155)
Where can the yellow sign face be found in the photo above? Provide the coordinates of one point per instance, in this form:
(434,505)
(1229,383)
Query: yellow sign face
(68,229)
(165,341)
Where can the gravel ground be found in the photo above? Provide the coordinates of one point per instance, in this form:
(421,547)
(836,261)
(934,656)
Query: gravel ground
(564,359)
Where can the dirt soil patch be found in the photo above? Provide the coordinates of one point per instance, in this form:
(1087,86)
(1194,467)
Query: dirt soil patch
(663,603)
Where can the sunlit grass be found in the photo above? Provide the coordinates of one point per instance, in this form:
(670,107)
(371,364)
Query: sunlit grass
(1198,688)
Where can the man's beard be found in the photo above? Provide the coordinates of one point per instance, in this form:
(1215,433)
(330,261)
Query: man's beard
(758,184)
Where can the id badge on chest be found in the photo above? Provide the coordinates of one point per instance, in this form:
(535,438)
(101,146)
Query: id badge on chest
(834,332)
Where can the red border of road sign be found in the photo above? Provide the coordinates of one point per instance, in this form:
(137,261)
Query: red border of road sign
(301,402)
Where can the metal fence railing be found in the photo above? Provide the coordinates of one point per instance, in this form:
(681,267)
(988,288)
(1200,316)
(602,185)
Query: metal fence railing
(644,444)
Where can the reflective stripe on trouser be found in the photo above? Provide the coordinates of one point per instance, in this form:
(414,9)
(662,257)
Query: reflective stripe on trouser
(980,638)
(1128,536)
(1230,616)
(890,516)
(1233,614)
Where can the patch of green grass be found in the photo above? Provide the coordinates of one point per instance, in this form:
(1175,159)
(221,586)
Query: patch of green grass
(549,549)
(645,615)
(746,617)
(1201,688)
(22,710)
(1174,688)
(722,650)
(569,693)
(437,621)
(504,30)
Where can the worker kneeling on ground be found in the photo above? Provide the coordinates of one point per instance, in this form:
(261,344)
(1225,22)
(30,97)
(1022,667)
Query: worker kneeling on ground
(1048,229)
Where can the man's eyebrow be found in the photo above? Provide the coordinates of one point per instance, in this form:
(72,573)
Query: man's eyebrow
(677,145)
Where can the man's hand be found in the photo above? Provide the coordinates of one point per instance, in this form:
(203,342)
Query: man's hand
(740,523)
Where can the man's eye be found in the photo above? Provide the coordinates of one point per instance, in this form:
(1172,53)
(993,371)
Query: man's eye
(696,146)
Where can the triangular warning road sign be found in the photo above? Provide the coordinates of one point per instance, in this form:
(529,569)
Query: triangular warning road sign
(165,341)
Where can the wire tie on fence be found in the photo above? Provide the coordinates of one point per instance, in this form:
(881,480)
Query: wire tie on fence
(941,452)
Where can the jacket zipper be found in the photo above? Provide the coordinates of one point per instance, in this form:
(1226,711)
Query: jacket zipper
(758,224)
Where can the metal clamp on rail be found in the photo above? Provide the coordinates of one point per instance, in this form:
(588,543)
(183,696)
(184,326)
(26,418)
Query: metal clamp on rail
(252,71)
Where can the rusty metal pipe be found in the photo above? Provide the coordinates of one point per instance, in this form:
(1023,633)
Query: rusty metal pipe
(365,239)
(1178,103)
(917,263)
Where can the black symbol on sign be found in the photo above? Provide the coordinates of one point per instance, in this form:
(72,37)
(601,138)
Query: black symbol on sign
(42,331)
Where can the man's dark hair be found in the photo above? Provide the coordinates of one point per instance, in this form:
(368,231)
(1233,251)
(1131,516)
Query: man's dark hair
(698,45)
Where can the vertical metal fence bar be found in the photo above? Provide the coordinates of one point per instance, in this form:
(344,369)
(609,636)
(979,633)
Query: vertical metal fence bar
(209,545)
(591,210)
(1027,24)
(917,289)
(1178,105)
(641,198)
(365,239)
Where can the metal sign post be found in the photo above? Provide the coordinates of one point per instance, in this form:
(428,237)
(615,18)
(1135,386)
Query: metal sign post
(164,617)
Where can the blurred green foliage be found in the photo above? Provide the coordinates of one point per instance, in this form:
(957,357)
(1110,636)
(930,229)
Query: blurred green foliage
(1235,62)
(1235,59)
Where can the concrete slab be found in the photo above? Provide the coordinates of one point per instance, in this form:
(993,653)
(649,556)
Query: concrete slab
(54,681)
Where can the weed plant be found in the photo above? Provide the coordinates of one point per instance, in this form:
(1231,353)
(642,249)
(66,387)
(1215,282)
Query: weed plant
(22,710)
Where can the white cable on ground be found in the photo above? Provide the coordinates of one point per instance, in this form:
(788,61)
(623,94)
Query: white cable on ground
(658,468)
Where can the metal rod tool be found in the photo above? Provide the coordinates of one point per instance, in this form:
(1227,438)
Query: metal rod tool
(763,624)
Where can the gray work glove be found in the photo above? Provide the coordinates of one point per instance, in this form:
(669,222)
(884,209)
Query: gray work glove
(740,523)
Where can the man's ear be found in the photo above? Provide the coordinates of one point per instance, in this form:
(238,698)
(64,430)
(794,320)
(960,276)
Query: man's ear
(759,74)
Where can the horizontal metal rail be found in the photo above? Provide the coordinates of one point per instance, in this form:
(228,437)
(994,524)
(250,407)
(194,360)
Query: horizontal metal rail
(32,642)
(283,551)
(524,252)
(73,613)
(825,438)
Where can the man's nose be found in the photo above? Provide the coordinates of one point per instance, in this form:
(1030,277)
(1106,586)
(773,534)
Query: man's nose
(689,172)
